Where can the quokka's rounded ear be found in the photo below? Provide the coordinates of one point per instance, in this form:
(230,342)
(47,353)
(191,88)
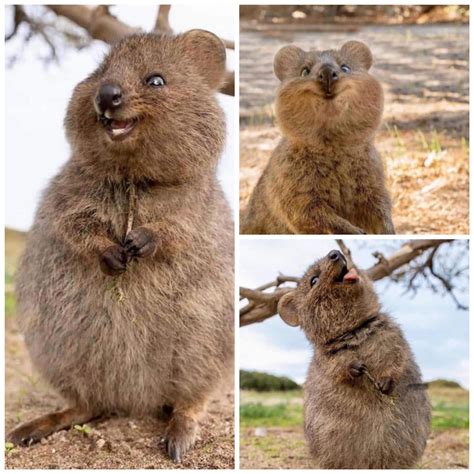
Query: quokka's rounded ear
(207,52)
(288,61)
(359,52)
(288,309)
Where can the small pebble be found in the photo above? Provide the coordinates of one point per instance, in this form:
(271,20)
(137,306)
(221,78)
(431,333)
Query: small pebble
(100,443)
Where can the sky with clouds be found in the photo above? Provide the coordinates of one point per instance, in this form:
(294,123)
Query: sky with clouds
(37,95)
(437,332)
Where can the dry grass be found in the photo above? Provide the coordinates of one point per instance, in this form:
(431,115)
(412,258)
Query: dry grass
(285,448)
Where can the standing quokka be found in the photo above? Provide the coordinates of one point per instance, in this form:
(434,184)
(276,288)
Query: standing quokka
(365,406)
(325,176)
(125,289)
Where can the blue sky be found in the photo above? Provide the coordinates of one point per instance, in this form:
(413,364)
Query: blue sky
(437,332)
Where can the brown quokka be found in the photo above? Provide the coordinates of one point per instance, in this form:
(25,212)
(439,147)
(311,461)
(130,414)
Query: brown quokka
(125,289)
(325,176)
(365,406)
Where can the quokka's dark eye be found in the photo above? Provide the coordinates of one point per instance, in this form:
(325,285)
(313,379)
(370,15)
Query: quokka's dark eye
(155,80)
(345,68)
(305,71)
(314,280)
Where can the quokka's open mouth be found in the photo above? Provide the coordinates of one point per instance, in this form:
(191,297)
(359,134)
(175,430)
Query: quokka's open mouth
(118,129)
(348,276)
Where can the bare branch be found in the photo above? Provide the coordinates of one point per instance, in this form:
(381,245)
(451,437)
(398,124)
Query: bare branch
(406,254)
(345,250)
(97,21)
(19,17)
(162,24)
(102,25)
(228,44)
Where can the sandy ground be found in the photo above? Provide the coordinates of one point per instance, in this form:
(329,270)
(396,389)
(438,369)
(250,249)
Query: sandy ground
(110,444)
(286,449)
(424,137)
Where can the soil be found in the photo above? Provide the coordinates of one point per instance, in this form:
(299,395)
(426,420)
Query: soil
(109,444)
(285,448)
(424,137)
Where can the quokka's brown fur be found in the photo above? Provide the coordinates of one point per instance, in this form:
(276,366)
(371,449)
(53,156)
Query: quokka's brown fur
(132,323)
(325,176)
(365,406)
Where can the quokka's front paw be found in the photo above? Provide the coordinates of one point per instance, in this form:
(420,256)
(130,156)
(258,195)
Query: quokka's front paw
(113,261)
(356,369)
(386,385)
(141,242)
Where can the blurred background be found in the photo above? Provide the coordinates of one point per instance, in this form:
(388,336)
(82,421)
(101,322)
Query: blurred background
(49,49)
(423,285)
(421,57)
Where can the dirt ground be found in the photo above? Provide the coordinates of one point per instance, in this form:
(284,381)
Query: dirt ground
(286,448)
(424,137)
(109,444)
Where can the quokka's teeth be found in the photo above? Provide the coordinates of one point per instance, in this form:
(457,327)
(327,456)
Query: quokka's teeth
(108,114)
(118,131)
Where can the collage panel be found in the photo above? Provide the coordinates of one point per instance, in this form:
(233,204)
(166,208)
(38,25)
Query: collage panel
(354,119)
(354,354)
(119,335)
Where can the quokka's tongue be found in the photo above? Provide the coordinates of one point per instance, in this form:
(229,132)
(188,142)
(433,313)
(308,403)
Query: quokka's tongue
(351,275)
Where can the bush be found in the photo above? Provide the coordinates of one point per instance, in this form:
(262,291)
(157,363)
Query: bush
(262,382)
(442,383)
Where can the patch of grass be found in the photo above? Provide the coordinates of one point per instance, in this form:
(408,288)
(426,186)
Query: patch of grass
(10,304)
(86,430)
(9,448)
(282,414)
(447,415)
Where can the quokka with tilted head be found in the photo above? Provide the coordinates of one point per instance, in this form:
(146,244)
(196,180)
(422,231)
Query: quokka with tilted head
(365,406)
(125,289)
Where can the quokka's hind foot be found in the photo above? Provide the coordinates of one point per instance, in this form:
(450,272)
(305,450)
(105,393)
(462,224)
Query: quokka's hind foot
(181,435)
(33,431)
(182,430)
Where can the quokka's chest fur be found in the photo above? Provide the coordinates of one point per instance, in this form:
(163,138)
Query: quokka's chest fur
(342,181)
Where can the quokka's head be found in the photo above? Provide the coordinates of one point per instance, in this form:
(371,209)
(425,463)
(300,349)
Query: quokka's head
(327,93)
(152,103)
(329,299)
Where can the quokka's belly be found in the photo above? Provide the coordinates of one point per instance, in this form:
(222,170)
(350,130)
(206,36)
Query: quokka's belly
(369,431)
(120,344)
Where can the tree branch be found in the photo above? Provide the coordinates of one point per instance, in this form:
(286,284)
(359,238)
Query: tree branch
(97,21)
(162,24)
(346,252)
(102,25)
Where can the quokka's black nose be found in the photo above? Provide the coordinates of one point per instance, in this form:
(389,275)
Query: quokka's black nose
(335,255)
(109,97)
(327,75)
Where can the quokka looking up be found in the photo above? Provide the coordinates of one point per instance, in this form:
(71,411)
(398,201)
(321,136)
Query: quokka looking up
(325,176)
(125,289)
(365,405)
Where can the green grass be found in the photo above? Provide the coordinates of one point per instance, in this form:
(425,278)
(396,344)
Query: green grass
(10,304)
(285,409)
(282,414)
(447,415)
